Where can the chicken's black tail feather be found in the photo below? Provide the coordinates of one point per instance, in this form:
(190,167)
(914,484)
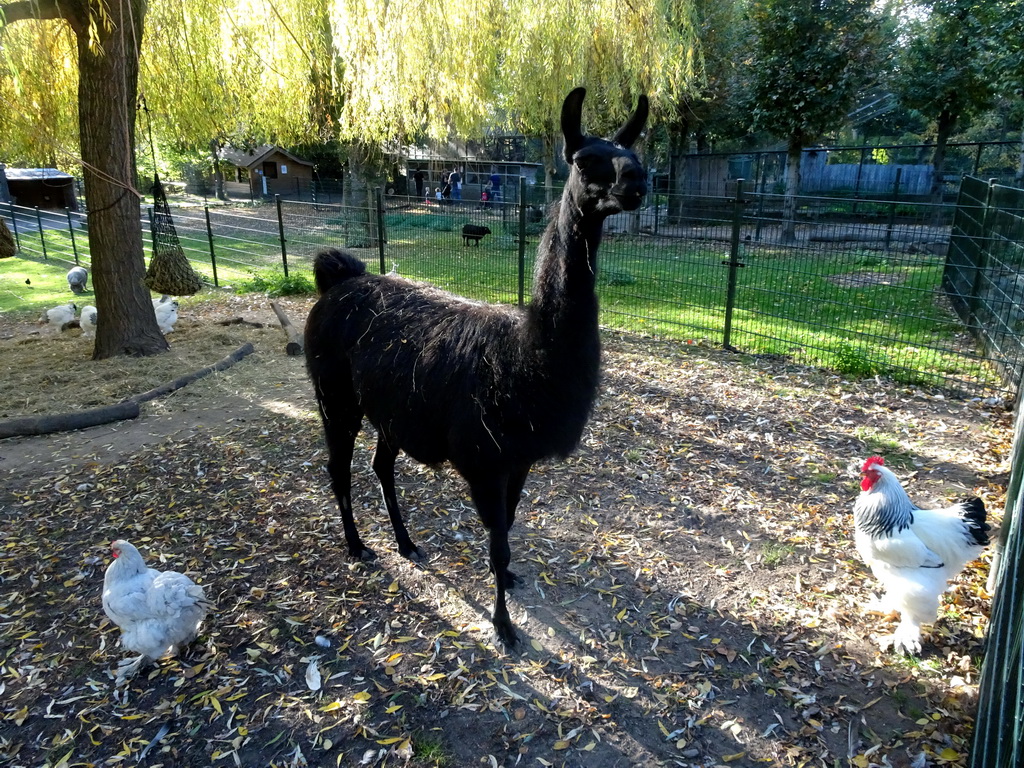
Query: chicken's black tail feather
(973,513)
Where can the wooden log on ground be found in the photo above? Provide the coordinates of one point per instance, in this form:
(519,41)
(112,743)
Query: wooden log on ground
(296,344)
(240,321)
(171,386)
(65,422)
(126,409)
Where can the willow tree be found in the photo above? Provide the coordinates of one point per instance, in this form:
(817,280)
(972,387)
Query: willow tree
(618,50)
(107,36)
(233,72)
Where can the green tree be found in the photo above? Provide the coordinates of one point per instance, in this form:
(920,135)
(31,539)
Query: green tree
(808,60)
(1006,66)
(941,72)
(107,37)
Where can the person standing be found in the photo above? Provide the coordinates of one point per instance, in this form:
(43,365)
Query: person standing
(455,180)
(495,180)
(419,177)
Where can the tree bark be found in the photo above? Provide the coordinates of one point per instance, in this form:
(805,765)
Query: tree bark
(793,155)
(218,172)
(1019,175)
(944,129)
(108,76)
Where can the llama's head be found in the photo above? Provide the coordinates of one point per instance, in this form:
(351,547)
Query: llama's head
(605,176)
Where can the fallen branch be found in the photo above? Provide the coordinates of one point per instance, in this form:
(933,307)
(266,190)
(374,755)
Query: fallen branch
(65,422)
(171,386)
(240,321)
(126,409)
(296,344)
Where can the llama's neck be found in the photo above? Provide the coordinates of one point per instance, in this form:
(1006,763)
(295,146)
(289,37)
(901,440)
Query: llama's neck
(564,306)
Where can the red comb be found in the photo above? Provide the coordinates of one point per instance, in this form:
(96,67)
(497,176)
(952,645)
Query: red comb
(871,462)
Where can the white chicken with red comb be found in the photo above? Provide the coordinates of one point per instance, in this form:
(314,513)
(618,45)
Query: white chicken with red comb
(912,551)
(158,612)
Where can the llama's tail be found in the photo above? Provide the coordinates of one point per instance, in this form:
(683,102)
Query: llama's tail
(332,266)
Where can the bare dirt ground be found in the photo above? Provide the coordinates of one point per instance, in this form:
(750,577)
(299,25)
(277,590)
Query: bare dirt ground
(691,592)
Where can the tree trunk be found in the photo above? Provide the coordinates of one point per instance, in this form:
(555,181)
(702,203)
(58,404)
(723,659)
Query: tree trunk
(362,219)
(680,147)
(944,129)
(107,89)
(793,155)
(218,172)
(549,168)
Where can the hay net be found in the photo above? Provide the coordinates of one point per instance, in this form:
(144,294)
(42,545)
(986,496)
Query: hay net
(169,271)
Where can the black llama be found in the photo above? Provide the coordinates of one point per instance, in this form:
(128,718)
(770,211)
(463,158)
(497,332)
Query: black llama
(491,389)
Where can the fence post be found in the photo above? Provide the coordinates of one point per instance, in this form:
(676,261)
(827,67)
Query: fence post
(734,264)
(14,224)
(42,237)
(280,231)
(71,231)
(892,208)
(981,255)
(213,255)
(379,196)
(522,240)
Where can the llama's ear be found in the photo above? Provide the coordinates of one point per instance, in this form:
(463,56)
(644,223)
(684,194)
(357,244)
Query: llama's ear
(572,117)
(631,130)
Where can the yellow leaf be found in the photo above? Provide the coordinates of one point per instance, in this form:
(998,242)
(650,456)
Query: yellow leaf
(393,708)
(949,754)
(620,615)
(390,740)
(589,746)
(536,645)
(860,761)
(561,744)
(333,706)
(730,758)
(361,696)
(216,705)
(393,586)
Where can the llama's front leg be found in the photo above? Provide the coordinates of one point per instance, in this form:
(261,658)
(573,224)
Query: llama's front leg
(490,497)
(514,492)
(384,466)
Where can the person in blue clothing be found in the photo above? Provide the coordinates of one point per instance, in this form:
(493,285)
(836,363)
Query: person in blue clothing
(455,180)
(495,180)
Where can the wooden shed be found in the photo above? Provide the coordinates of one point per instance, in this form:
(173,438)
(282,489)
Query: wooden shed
(267,171)
(45,188)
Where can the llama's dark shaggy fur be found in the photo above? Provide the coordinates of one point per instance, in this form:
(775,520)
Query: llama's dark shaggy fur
(492,389)
(474,233)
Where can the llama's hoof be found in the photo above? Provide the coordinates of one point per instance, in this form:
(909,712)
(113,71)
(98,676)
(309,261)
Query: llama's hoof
(365,554)
(412,552)
(506,633)
(512,580)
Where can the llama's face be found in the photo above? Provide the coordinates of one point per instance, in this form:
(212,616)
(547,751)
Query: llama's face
(610,178)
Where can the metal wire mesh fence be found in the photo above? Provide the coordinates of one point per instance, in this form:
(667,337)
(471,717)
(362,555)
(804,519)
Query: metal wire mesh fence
(854,285)
(984,274)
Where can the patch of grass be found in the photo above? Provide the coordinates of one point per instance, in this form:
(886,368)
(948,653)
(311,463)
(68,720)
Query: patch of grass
(430,751)
(276,284)
(890,448)
(29,283)
(774,553)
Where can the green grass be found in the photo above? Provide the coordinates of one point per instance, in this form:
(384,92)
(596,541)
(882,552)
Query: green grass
(857,312)
(47,285)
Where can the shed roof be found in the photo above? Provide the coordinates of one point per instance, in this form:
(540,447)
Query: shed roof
(37,174)
(248,158)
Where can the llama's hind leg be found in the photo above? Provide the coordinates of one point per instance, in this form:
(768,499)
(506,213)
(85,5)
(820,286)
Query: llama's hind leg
(384,466)
(341,430)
